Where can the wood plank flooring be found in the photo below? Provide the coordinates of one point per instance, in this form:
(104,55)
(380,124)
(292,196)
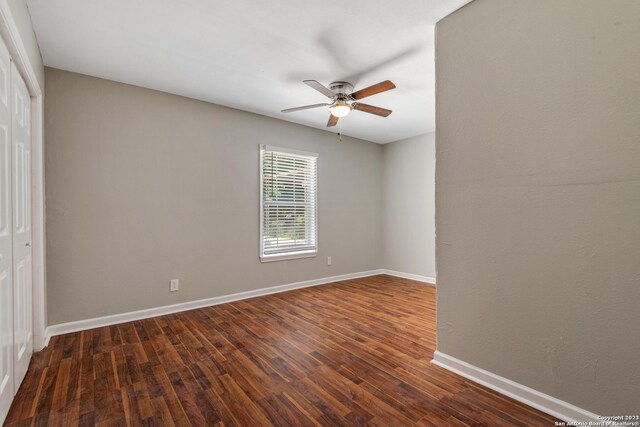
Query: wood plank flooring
(352,353)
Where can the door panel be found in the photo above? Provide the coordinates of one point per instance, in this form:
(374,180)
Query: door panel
(19,281)
(6,244)
(22,306)
(6,342)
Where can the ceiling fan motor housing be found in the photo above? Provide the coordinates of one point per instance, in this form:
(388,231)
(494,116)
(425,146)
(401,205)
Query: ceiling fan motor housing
(341,88)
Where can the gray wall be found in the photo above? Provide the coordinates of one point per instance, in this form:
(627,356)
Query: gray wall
(408,211)
(538,195)
(143,187)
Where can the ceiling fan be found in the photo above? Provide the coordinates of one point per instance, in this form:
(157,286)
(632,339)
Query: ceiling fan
(343,99)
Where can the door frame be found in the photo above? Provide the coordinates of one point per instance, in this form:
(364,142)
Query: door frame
(15,45)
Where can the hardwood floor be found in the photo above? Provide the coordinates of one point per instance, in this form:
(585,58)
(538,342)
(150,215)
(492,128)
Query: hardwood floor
(355,352)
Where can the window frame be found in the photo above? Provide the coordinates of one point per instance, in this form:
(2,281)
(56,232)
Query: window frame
(294,254)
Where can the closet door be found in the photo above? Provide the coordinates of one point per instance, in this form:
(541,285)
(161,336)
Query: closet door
(6,244)
(21,180)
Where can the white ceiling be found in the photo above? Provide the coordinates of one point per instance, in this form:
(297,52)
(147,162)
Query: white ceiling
(253,55)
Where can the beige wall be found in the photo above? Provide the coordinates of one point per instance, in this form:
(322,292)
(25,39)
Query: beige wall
(144,186)
(538,195)
(408,212)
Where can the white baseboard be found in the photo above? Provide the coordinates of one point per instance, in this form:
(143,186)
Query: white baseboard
(81,325)
(543,402)
(425,279)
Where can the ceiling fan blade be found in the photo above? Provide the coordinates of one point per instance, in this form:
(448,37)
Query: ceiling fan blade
(371,109)
(333,120)
(372,90)
(320,88)
(305,107)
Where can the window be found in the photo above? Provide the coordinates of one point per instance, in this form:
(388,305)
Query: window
(288,211)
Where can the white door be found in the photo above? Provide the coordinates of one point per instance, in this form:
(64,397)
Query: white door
(21,183)
(6,245)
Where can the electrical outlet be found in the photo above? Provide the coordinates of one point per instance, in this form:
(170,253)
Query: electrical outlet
(175,285)
(328,260)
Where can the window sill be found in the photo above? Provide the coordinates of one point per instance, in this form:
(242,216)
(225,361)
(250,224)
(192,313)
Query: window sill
(288,256)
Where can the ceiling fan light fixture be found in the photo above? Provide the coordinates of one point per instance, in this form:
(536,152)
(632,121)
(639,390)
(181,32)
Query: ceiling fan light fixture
(340,109)
(340,94)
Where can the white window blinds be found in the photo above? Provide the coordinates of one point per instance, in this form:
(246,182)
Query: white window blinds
(288,203)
